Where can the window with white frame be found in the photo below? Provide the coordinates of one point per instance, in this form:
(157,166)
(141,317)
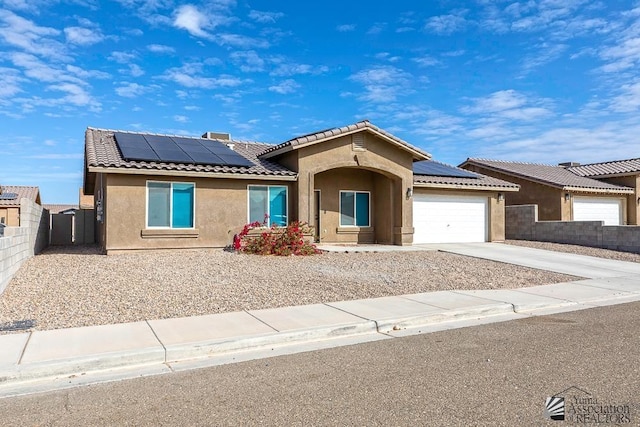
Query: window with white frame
(355,208)
(268,202)
(170,204)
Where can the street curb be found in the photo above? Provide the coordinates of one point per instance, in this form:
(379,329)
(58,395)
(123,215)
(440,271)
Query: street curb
(393,324)
(204,349)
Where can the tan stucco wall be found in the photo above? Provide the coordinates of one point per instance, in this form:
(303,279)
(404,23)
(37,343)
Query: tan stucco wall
(380,157)
(633,210)
(11,216)
(550,201)
(496,214)
(221,210)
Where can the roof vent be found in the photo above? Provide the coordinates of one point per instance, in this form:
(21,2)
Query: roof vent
(217,135)
(568,164)
(357,139)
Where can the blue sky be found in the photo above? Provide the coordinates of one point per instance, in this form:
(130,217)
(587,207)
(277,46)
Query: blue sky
(540,81)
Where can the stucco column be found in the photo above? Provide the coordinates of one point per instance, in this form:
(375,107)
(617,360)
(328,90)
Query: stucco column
(403,227)
(305,201)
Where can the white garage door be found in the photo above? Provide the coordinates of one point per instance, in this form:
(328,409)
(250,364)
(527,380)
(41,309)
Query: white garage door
(608,210)
(449,219)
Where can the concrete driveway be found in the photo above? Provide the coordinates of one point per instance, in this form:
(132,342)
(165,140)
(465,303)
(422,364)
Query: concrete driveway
(559,262)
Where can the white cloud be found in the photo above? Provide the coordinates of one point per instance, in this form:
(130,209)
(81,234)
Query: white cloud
(291,69)
(426,61)
(445,24)
(180,119)
(285,87)
(376,28)
(191,76)
(240,41)
(188,17)
(629,100)
(86,74)
(345,28)
(122,57)
(32,38)
(160,48)
(135,70)
(265,17)
(248,61)
(383,83)
(10,81)
(83,36)
(508,104)
(131,90)
(199,22)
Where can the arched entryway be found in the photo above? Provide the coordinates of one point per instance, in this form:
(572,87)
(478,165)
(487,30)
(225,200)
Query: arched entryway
(356,205)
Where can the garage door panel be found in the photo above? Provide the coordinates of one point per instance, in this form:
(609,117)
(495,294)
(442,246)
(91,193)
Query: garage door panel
(449,219)
(604,209)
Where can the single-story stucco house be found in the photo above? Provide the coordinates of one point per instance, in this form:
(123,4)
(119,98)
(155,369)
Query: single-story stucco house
(353,184)
(10,196)
(619,172)
(561,194)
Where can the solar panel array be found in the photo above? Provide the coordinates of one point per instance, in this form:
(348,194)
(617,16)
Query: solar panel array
(431,168)
(174,149)
(8,196)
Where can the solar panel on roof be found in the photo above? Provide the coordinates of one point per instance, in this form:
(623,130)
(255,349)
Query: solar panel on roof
(160,148)
(135,147)
(431,168)
(129,139)
(235,160)
(8,196)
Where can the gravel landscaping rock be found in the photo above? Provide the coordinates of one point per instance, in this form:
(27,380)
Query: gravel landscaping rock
(580,250)
(77,286)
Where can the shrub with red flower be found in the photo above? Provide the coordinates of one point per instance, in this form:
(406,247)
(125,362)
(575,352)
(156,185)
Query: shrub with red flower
(283,241)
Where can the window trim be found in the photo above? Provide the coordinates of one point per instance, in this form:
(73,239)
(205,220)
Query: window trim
(170,227)
(286,187)
(355,220)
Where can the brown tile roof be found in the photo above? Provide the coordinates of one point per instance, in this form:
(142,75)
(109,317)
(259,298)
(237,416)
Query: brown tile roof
(554,176)
(31,193)
(616,167)
(481,182)
(335,132)
(54,209)
(101,151)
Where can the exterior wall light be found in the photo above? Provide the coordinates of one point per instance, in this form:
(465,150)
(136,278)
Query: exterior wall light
(501,197)
(638,200)
(409,192)
(567,197)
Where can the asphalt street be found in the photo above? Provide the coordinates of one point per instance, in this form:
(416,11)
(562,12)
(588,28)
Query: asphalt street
(496,374)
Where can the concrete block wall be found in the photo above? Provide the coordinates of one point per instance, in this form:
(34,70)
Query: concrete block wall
(21,243)
(519,221)
(522,224)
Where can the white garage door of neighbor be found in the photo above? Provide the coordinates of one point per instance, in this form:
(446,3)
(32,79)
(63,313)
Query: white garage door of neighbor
(449,219)
(605,209)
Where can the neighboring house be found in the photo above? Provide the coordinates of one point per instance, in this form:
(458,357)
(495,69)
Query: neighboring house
(10,196)
(60,209)
(86,201)
(560,194)
(619,172)
(354,184)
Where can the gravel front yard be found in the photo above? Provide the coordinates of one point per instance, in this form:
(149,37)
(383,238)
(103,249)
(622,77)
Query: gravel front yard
(68,287)
(580,250)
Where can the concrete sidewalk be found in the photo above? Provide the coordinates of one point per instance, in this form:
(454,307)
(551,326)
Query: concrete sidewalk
(46,360)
